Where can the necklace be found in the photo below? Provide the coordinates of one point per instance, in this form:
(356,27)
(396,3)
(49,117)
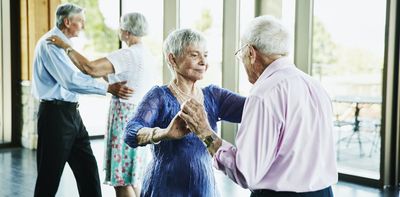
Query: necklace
(182,96)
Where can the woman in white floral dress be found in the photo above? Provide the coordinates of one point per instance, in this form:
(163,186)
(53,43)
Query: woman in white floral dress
(124,166)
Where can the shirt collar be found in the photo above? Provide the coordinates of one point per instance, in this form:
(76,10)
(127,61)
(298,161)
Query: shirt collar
(60,34)
(276,65)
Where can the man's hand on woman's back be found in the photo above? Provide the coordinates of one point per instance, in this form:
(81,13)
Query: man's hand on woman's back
(120,90)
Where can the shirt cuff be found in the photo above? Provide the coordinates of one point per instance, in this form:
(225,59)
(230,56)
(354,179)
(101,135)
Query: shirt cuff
(103,88)
(224,156)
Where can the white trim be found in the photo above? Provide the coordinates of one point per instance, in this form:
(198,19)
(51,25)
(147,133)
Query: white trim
(1,74)
(6,71)
(230,66)
(171,22)
(303,35)
(388,113)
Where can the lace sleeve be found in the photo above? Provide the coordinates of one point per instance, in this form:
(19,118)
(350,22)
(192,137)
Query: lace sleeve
(229,103)
(146,115)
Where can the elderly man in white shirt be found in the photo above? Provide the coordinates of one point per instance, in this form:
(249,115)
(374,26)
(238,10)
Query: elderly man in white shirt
(285,144)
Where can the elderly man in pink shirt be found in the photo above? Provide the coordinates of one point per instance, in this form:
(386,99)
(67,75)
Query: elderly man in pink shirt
(285,144)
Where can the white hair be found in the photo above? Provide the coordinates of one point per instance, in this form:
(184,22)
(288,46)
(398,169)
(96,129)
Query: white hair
(177,41)
(66,10)
(268,35)
(135,23)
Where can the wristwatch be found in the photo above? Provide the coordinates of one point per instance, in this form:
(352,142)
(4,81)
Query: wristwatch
(208,140)
(67,50)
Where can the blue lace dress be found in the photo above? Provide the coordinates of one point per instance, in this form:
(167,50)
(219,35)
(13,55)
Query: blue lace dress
(181,168)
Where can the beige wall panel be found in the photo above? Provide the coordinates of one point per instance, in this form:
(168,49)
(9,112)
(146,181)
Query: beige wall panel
(24,40)
(38,24)
(52,12)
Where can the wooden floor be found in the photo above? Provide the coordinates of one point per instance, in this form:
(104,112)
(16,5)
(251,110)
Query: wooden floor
(18,174)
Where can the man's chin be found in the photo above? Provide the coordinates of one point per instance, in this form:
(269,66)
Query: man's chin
(77,34)
(252,81)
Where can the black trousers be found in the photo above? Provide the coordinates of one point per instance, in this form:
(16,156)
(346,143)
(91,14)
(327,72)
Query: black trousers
(327,192)
(63,138)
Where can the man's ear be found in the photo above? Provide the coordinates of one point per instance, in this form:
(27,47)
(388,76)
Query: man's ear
(252,54)
(66,22)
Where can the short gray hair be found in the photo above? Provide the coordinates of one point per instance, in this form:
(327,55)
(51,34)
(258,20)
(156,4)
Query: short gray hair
(268,35)
(135,23)
(66,10)
(178,40)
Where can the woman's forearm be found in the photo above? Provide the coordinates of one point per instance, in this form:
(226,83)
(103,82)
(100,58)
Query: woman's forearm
(98,68)
(79,60)
(150,135)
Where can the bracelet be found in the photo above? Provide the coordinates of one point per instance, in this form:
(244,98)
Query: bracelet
(67,50)
(152,135)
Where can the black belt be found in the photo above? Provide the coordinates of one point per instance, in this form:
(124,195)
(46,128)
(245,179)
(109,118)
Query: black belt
(60,103)
(266,192)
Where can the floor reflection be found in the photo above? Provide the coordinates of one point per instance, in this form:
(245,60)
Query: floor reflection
(18,174)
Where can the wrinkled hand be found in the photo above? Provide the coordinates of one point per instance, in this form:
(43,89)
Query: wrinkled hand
(194,114)
(177,128)
(120,90)
(57,41)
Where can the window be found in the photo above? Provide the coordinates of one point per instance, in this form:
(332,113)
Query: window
(348,56)
(207,19)
(283,10)
(153,11)
(247,12)
(99,39)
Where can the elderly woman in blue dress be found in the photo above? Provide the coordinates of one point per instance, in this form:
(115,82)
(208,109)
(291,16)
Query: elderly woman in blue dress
(181,165)
(124,166)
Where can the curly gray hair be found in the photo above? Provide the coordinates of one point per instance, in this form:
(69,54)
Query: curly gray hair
(178,40)
(135,23)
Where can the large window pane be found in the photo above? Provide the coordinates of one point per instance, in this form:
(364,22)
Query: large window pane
(288,19)
(99,39)
(153,11)
(207,19)
(348,50)
(1,80)
(247,12)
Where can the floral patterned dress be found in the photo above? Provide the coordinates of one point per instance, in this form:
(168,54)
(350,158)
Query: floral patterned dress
(123,165)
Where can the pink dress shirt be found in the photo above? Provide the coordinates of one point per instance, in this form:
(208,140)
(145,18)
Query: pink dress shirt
(285,141)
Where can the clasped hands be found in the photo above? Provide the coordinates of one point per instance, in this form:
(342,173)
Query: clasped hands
(191,117)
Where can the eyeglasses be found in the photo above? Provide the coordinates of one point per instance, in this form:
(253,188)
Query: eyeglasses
(239,52)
